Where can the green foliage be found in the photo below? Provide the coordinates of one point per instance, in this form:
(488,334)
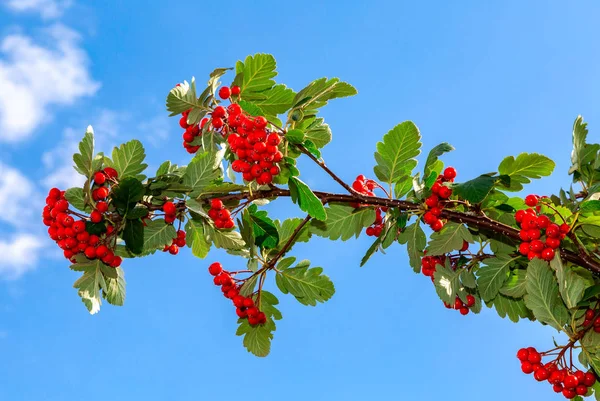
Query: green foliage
(316,130)
(492,275)
(85,162)
(572,281)
(128,160)
(306,199)
(447,284)
(449,239)
(196,238)
(77,198)
(316,95)
(395,156)
(432,158)
(127,194)
(523,168)
(414,237)
(264,230)
(202,171)
(96,278)
(158,234)
(286,230)
(183,97)
(257,339)
(343,222)
(542,295)
(475,190)
(309,286)
(516,285)
(133,235)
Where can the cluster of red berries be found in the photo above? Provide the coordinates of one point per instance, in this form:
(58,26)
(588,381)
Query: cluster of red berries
(439,192)
(191,132)
(255,146)
(429,263)
(170,210)
(177,243)
(102,181)
(460,306)
(569,383)
(366,186)
(220,215)
(592,318)
(533,228)
(245,307)
(225,92)
(71,235)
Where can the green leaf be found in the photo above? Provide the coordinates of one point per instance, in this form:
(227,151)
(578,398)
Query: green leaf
(447,284)
(137,212)
(183,97)
(309,286)
(257,339)
(274,101)
(295,136)
(258,71)
(580,133)
(305,198)
(84,159)
(128,160)
(265,231)
(572,281)
(525,167)
(317,94)
(467,278)
(343,222)
(127,194)
(202,171)
(433,156)
(316,130)
(114,293)
(372,249)
(196,238)
(225,239)
(133,235)
(515,309)
(93,280)
(403,186)
(76,198)
(476,189)
(251,108)
(286,230)
(395,156)
(414,236)
(542,295)
(590,206)
(158,234)
(449,239)
(516,285)
(492,275)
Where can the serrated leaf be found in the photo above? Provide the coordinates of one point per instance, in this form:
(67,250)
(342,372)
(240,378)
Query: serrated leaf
(275,101)
(93,280)
(202,171)
(295,136)
(317,131)
(158,234)
(265,232)
(127,194)
(115,288)
(317,94)
(589,206)
(403,186)
(76,198)
(84,159)
(492,275)
(572,282)
(515,309)
(286,230)
(525,167)
(133,235)
(447,284)
(251,108)
(516,285)
(433,156)
(137,212)
(257,339)
(542,295)
(183,97)
(308,286)
(257,73)
(225,239)
(449,239)
(128,160)
(467,278)
(396,155)
(475,190)
(414,236)
(343,222)
(305,198)
(196,238)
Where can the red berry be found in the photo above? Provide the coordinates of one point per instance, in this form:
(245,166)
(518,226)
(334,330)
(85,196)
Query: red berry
(464,311)
(432,201)
(589,379)
(465,246)
(553,231)
(445,192)
(437,225)
(101,251)
(543,221)
(571,381)
(522,354)
(548,254)
(169,208)
(553,242)
(527,367)
(260,122)
(102,207)
(534,357)
(99,178)
(531,200)
(541,374)
(569,393)
(470,300)
(558,388)
(96,216)
(581,390)
(224,92)
(90,252)
(173,249)
(564,228)
(183,122)
(219,112)
(450,173)
(79,226)
(215,269)
(116,262)
(102,193)
(111,172)
(524,248)
(536,246)
(235,90)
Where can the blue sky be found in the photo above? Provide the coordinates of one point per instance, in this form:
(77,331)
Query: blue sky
(492,78)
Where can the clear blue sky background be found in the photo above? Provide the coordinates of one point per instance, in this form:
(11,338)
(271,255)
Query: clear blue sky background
(492,78)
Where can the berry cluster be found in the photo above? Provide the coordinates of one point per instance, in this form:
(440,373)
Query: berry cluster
(102,181)
(191,132)
(220,215)
(564,380)
(366,186)
(439,192)
(177,243)
(225,92)
(245,307)
(170,210)
(540,236)
(592,318)
(72,236)
(460,306)
(255,146)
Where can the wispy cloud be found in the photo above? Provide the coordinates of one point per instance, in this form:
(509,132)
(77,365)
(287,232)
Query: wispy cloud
(47,9)
(20,254)
(34,76)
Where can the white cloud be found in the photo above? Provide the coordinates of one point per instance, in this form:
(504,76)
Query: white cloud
(19,255)
(19,199)
(35,76)
(48,9)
